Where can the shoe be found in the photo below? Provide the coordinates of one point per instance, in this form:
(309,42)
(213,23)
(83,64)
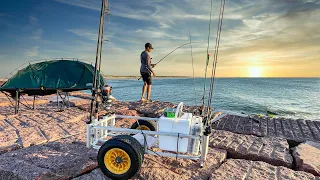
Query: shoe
(143,99)
(149,101)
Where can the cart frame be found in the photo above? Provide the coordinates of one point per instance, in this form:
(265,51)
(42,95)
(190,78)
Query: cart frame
(99,130)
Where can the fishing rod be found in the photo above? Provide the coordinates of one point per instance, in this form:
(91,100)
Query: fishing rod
(174,51)
(93,110)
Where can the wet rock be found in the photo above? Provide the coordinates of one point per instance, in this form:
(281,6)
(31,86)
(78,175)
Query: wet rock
(307,157)
(256,170)
(271,150)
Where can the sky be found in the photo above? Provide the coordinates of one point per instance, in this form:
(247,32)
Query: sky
(260,38)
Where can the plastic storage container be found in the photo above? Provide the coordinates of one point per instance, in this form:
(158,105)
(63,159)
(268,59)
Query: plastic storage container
(174,125)
(170,112)
(196,129)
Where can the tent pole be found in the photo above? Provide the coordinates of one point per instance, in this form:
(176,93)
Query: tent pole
(18,102)
(16,105)
(34,99)
(57,99)
(68,99)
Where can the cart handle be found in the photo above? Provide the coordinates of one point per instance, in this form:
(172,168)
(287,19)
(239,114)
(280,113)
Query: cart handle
(179,109)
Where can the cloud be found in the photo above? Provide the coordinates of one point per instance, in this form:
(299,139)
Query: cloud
(254,32)
(154,33)
(33,20)
(93,5)
(85,33)
(32,52)
(36,35)
(5,15)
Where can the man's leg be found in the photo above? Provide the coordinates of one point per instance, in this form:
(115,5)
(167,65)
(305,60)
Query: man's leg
(149,92)
(143,90)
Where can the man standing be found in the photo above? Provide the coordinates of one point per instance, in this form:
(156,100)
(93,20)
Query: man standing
(145,71)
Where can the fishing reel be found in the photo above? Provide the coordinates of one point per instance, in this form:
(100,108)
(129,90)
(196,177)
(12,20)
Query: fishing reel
(106,92)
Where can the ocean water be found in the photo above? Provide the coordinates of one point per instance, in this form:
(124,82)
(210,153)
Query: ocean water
(289,97)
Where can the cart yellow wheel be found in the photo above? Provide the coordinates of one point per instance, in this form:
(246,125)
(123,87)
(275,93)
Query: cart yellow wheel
(117,161)
(131,140)
(120,157)
(143,125)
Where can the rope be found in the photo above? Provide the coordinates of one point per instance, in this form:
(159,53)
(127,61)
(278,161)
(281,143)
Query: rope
(28,106)
(213,73)
(194,81)
(207,61)
(145,140)
(8,96)
(177,146)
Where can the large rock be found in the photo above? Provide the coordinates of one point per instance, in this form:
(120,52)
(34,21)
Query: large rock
(95,174)
(8,137)
(271,150)
(126,122)
(298,130)
(39,126)
(307,157)
(256,170)
(154,109)
(63,159)
(156,167)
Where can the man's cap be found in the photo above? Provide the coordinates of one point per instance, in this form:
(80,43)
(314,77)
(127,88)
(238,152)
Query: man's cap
(148,45)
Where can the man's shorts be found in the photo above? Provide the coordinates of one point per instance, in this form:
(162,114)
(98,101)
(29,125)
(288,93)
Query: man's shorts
(147,78)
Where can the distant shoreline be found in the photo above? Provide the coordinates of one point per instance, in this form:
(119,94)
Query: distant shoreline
(168,77)
(137,77)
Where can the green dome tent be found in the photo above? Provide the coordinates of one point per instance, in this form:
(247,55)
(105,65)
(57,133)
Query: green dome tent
(47,77)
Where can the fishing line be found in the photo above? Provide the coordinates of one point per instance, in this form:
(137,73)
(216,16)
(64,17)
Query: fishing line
(213,73)
(175,50)
(194,81)
(207,61)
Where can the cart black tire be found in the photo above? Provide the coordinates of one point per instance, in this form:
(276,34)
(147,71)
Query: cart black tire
(135,143)
(129,152)
(144,125)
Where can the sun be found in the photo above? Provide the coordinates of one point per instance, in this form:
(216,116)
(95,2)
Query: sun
(255,71)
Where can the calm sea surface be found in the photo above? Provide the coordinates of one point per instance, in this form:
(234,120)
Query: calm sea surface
(288,97)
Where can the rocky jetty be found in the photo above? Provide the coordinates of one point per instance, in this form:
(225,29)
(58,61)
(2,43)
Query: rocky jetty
(47,143)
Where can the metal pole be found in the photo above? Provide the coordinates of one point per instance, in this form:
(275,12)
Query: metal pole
(204,149)
(94,88)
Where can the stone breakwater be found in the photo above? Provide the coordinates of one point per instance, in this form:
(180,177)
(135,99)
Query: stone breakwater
(48,144)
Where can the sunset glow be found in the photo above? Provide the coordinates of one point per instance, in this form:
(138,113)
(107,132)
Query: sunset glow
(255,72)
(257,39)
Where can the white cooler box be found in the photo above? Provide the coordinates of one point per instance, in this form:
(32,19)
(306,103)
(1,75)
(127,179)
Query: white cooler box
(180,125)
